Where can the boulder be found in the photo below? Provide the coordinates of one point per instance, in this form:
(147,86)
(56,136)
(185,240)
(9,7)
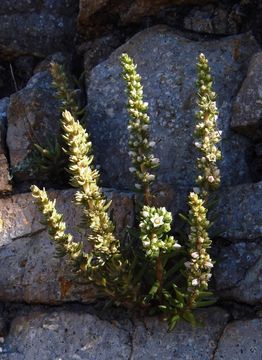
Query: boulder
(238,272)
(151,340)
(36,276)
(247,107)
(37,27)
(238,212)
(167,64)
(241,340)
(5,184)
(33,118)
(97,17)
(68,334)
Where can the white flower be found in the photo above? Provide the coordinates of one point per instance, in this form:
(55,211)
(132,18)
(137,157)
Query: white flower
(177,246)
(157,220)
(211,179)
(196,190)
(195,255)
(155,161)
(197,144)
(208,264)
(132,169)
(195,282)
(145,213)
(152,143)
(187,264)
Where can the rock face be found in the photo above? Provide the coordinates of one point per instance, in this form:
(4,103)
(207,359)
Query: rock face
(247,108)
(153,342)
(25,247)
(36,27)
(89,338)
(238,272)
(241,340)
(166,62)
(124,12)
(5,185)
(33,117)
(238,212)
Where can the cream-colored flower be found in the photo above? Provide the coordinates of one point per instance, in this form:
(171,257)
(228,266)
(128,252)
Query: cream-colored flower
(157,220)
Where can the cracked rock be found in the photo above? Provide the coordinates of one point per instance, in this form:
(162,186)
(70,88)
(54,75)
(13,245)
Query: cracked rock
(238,212)
(64,335)
(241,340)
(152,341)
(238,272)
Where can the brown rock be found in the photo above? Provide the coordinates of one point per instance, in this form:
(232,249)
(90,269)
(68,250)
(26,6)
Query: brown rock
(5,184)
(30,272)
(95,15)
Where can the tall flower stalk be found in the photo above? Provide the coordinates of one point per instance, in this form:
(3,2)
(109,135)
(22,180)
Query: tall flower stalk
(208,179)
(143,160)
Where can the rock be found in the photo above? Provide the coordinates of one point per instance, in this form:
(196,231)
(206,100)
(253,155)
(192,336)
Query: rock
(96,51)
(166,62)
(33,118)
(90,338)
(210,19)
(36,276)
(36,27)
(241,340)
(5,184)
(65,335)
(238,272)
(152,341)
(238,212)
(95,15)
(247,107)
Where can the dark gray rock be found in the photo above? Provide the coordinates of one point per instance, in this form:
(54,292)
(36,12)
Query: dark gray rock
(152,341)
(247,107)
(25,247)
(33,118)
(166,62)
(210,19)
(241,340)
(238,212)
(238,272)
(65,335)
(68,334)
(36,27)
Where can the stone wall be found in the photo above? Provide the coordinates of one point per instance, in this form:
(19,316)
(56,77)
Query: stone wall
(44,313)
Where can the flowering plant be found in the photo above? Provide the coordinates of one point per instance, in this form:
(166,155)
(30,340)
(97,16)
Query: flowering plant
(154,271)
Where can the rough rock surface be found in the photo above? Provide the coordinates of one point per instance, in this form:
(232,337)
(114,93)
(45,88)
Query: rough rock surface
(25,247)
(238,272)
(166,62)
(151,341)
(33,117)
(238,212)
(36,27)
(5,185)
(53,335)
(247,108)
(241,340)
(106,12)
